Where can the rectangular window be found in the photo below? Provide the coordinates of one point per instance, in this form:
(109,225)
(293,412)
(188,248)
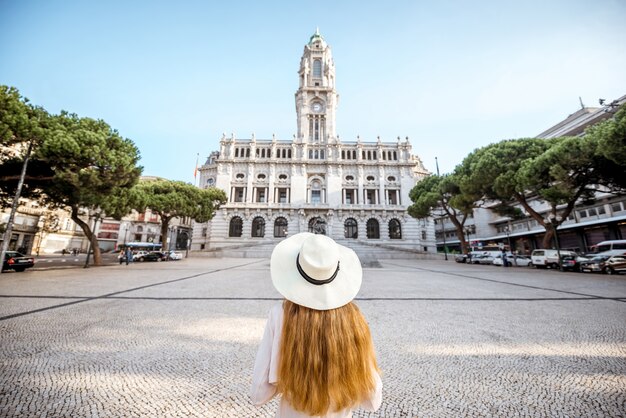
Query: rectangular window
(601,210)
(617,207)
(239,194)
(260,195)
(316,196)
(282,195)
(392,197)
(350,197)
(582,213)
(370,197)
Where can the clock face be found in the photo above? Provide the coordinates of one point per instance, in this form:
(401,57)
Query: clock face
(317,107)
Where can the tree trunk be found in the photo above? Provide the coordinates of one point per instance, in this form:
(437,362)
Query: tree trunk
(548,238)
(97,256)
(165,223)
(460,229)
(460,234)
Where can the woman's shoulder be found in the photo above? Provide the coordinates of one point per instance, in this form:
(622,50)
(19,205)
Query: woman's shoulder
(277,310)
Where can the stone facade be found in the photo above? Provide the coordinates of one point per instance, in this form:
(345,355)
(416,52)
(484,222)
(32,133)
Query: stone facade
(314,181)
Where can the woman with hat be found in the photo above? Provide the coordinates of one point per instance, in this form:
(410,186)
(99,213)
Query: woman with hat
(316,351)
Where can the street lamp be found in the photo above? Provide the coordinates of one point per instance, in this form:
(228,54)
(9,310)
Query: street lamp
(443,228)
(507,232)
(443,231)
(552,220)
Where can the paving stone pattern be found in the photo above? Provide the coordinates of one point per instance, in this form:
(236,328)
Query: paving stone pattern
(452,340)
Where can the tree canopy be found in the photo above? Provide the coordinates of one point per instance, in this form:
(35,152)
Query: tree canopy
(80,164)
(560,171)
(441,196)
(177,199)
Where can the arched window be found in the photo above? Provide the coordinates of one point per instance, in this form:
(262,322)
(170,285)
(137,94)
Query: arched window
(235,228)
(373,230)
(350,228)
(317,226)
(317,68)
(280,227)
(395,231)
(258,227)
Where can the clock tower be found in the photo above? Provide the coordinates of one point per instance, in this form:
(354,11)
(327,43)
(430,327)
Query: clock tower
(316,98)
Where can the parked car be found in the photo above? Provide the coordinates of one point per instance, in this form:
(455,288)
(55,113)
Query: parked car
(596,264)
(475,258)
(460,258)
(486,259)
(17,261)
(549,258)
(569,262)
(518,260)
(573,263)
(152,256)
(174,255)
(137,255)
(616,244)
(609,264)
(615,264)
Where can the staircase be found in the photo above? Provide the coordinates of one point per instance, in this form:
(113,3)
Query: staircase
(366,250)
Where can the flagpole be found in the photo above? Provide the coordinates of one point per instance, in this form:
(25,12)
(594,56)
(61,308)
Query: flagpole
(195,172)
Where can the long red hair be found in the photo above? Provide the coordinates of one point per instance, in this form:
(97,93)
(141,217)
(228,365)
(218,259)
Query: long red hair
(327,358)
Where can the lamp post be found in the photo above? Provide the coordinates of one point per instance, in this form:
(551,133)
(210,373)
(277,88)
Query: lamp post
(443,228)
(443,232)
(507,232)
(552,220)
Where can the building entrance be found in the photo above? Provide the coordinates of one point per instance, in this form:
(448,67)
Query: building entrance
(317,225)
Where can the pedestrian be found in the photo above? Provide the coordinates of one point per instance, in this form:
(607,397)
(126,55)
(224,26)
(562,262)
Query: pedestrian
(317,350)
(505,262)
(121,256)
(129,255)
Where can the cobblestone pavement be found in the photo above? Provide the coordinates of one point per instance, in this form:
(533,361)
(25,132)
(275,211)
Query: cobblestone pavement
(178,339)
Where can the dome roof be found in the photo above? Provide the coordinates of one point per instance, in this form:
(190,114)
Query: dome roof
(317,37)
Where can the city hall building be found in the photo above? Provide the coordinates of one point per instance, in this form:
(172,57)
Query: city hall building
(348,190)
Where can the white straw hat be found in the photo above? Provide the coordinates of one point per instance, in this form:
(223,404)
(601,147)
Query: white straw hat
(316,272)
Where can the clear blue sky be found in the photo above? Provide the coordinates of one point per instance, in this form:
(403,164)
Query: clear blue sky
(450,75)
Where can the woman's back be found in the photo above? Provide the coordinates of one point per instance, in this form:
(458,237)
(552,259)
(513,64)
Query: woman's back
(327,359)
(316,350)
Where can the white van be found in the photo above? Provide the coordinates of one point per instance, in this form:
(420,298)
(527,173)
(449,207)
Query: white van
(616,244)
(548,258)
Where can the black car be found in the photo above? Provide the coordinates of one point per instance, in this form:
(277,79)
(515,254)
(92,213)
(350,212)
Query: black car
(17,261)
(153,256)
(569,262)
